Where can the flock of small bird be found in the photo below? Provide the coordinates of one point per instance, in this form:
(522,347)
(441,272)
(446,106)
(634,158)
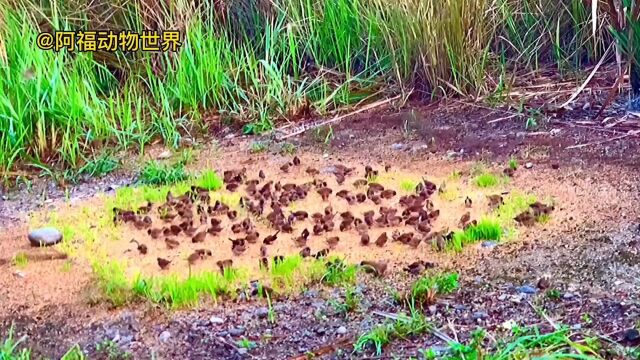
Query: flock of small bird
(193,215)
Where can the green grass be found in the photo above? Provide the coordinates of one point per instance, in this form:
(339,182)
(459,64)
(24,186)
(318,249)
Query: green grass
(513,163)
(486,229)
(155,173)
(487,180)
(261,64)
(20,260)
(339,273)
(210,180)
(427,287)
(408,185)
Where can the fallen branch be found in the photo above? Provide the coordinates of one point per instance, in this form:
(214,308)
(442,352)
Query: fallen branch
(587,80)
(629,133)
(340,117)
(325,349)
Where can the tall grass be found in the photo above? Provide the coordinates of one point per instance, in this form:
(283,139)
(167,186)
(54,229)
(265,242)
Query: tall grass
(257,63)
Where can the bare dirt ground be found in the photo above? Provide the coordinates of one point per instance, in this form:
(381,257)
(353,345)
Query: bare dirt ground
(589,251)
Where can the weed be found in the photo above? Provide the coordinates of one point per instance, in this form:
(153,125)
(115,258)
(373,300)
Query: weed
(513,163)
(112,351)
(246,344)
(531,123)
(553,294)
(112,281)
(258,147)
(210,180)
(485,229)
(75,353)
(486,180)
(287,148)
(425,289)
(339,273)
(408,185)
(586,318)
(20,260)
(378,337)
(9,349)
(351,303)
(67,266)
(154,173)
(186,157)
(271,315)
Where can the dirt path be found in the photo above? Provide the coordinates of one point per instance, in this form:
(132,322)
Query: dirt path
(589,252)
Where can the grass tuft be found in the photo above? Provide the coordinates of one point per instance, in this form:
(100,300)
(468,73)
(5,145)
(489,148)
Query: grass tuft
(210,180)
(486,180)
(486,229)
(155,173)
(425,289)
(20,260)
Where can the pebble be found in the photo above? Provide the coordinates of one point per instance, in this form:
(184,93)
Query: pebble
(567,296)
(341,330)
(480,315)
(44,237)
(19,274)
(527,289)
(164,336)
(242,351)
(502,297)
(311,293)
(489,244)
(543,283)
(632,335)
(433,309)
(164,155)
(261,313)
(237,331)
(320,331)
(216,320)
(397,146)
(576,327)
(528,165)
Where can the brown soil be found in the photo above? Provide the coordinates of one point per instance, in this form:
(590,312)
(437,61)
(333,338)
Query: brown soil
(589,248)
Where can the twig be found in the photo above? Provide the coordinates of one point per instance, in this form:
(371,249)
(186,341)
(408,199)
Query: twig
(587,80)
(540,312)
(340,117)
(612,94)
(503,118)
(630,133)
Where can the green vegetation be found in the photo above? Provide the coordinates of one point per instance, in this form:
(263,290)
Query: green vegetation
(486,180)
(424,290)
(486,229)
(339,273)
(553,294)
(525,344)
(246,343)
(258,147)
(155,173)
(351,303)
(408,185)
(261,63)
(287,148)
(20,260)
(404,327)
(513,163)
(112,351)
(210,180)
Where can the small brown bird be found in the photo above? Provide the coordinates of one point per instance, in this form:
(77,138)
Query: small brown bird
(313,172)
(508,172)
(439,241)
(382,239)
(224,264)
(264,263)
(175,230)
(301,241)
(261,175)
(321,254)
(232,214)
(324,193)
(388,194)
(232,187)
(142,248)
(376,268)
(252,237)
(278,259)
(340,178)
(194,257)
(271,238)
(296,161)
(318,229)
(263,250)
(199,237)
(171,243)
(495,201)
(364,239)
(418,267)
(305,252)
(360,183)
(155,233)
(285,167)
(163,263)
(333,242)
(468,202)
(464,219)
(526,218)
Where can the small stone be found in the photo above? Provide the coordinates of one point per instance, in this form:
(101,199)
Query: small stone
(632,336)
(555,166)
(320,331)
(242,351)
(261,313)
(351,136)
(44,237)
(216,320)
(489,244)
(164,336)
(325,155)
(397,146)
(341,330)
(433,309)
(543,283)
(19,274)
(237,331)
(222,333)
(527,289)
(576,327)
(502,297)
(480,315)
(311,293)
(568,296)
(164,155)
(528,165)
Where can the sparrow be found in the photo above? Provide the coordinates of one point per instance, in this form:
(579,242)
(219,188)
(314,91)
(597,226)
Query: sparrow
(155,233)
(163,263)
(224,264)
(382,239)
(467,202)
(296,161)
(321,254)
(305,252)
(374,267)
(360,183)
(333,242)
(464,219)
(526,218)
(364,239)
(199,237)
(171,243)
(142,248)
